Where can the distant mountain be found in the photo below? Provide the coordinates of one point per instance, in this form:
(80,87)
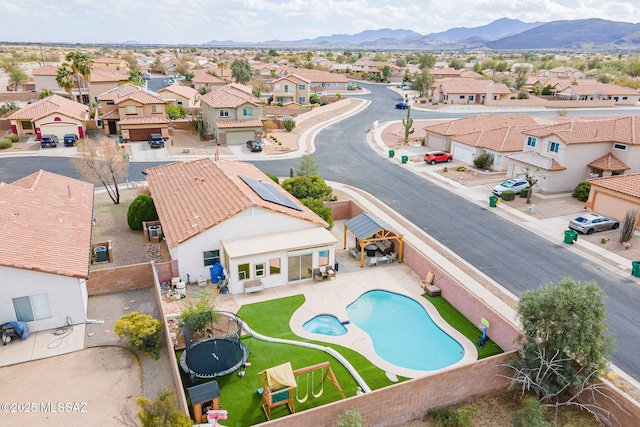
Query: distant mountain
(592,33)
(496,30)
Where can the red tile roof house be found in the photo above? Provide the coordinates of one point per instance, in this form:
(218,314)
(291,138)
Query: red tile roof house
(52,115)
(232,114)
(45,244)
(614,195)
(202,80)
(178,94)
(291,89)
(469,91)
(319,80)
(133,112)
(563,155)
(232,213)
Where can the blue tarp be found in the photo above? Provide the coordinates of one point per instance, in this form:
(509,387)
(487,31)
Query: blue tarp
(217,272)
(20,328)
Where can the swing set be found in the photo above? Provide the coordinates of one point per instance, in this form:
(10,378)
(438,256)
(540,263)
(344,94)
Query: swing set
(276,392)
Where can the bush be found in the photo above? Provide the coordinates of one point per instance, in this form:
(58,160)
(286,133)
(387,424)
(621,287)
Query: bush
(450,417)
(523,95)
(289,124)
(141,209)
(162,411)
(320,209)
(5,144)
(483,161)
(461,169)
(175,111)
(508,195)
(581,192)
(530,415)
(198,311)
(524,192)
(350,418)
(13,137)
(273,178)
(142,332)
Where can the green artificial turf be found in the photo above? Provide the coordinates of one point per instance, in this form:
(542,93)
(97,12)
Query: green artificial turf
(464,326)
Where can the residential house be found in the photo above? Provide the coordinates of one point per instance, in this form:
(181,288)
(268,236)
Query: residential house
(319,80)
(291,89)
(116,63)
(598,91)
(45,244)
(133,112)
(614,195)
(231,213)
(203,80)
(45,79)
(178,94)
(54,115)
(264,71)
(103,79)
(562,155)
(439,136)
(445,73)
(232,114)
(564,72)
(373,69)
(468,91)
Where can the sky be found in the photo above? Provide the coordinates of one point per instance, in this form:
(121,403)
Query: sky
(200,21)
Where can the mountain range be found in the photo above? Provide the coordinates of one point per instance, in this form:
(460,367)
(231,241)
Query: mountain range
(503,34)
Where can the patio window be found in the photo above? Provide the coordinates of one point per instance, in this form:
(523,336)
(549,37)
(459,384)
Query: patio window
(30,308)
(27,125)
(131,109)
(620,147)
(247,112)
(531,141)
(302,87)
(243,271)
(259,270)
(211,257)
(275,266)
(223,113)
(553,147)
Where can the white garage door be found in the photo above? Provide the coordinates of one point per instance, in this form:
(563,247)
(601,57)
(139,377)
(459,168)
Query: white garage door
(462,153)
(239,138)
(59,129)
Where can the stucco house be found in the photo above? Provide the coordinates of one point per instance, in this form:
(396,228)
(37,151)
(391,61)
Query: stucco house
(54,115)
(204,81)
(469,91)
(319,80)
(133,112)
(232,114)
(562,155)
(45,78)
(614,195)
(598,91)
(103,79)
(45,244)
(178,94)
(231,213)
(291,89)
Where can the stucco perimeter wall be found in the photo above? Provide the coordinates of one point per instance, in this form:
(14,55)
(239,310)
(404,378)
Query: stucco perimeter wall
(410,400)
(120,279)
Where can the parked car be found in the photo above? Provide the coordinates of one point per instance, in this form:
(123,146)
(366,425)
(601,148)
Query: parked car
(156,140)
(69,139)
(434,157)
(515,185)
(590,223)
(402,105)
(49,141)
(254,145)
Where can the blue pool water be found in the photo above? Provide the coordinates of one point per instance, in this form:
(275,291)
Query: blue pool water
(402,332)
(326,325)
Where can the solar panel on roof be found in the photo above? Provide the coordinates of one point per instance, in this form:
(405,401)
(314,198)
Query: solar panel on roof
(269,193)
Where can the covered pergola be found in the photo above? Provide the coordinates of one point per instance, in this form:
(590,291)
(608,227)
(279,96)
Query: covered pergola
(368,229)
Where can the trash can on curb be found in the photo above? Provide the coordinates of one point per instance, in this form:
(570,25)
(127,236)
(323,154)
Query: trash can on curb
(493,201)
(405,159)
(570,236)
(635,268)
(391,153)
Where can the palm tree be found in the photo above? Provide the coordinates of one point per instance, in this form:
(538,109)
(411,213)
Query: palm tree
(65,79)
(81,65)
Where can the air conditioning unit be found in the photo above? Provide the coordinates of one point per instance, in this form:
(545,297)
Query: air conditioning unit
(101,254)
(155,230)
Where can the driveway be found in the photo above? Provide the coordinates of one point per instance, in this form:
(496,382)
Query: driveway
(86,388)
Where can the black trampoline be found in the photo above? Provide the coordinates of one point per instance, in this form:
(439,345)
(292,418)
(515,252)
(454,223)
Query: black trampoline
(212,345)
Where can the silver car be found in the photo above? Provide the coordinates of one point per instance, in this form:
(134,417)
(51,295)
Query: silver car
(590,223)
(515,185)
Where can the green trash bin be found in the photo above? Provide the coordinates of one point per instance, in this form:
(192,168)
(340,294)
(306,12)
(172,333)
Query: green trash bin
(570,236)
(635,268)
(391,153)
(493,201)
(405,159)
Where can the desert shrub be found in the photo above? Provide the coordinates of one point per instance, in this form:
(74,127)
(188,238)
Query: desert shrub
(524,192)
(142,332)
(446,169)
(508,195)
(350,418)
(483,161)
(175,111)
(562,113)
(320,209)
(273,178)
(523,95)
(289,124)
(162,411)
(13,137)
(628,226)
(450,417)
(581,192)
(270,125)
(141,209)
(198,311)
(5,144)
(338,96)
(530,415)
(461,169)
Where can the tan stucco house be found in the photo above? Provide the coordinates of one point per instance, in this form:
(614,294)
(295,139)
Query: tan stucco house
(54,115)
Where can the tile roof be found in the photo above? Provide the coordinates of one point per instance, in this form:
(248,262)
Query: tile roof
(609,162)
(54,104)
(182,90)
(143,97)
(111,115)
(534,158)
(505,139)
(316,76)
(624,130)
(47,70)
(144,120)
(459,85)
(481,122)
(192,197)
(108,74)
(625,184)
(230,96)
(602,89)
(128,90)
(201,76)
(229,123)
(47,224)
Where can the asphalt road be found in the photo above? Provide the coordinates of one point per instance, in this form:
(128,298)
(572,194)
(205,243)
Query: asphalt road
(512,256)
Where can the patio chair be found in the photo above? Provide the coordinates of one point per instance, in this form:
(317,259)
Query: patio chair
(317,274)
(373,261)
(392,256)
(331,273)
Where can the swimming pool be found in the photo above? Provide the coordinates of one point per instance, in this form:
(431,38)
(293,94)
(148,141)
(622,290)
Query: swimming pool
(402,332)
(326,325)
